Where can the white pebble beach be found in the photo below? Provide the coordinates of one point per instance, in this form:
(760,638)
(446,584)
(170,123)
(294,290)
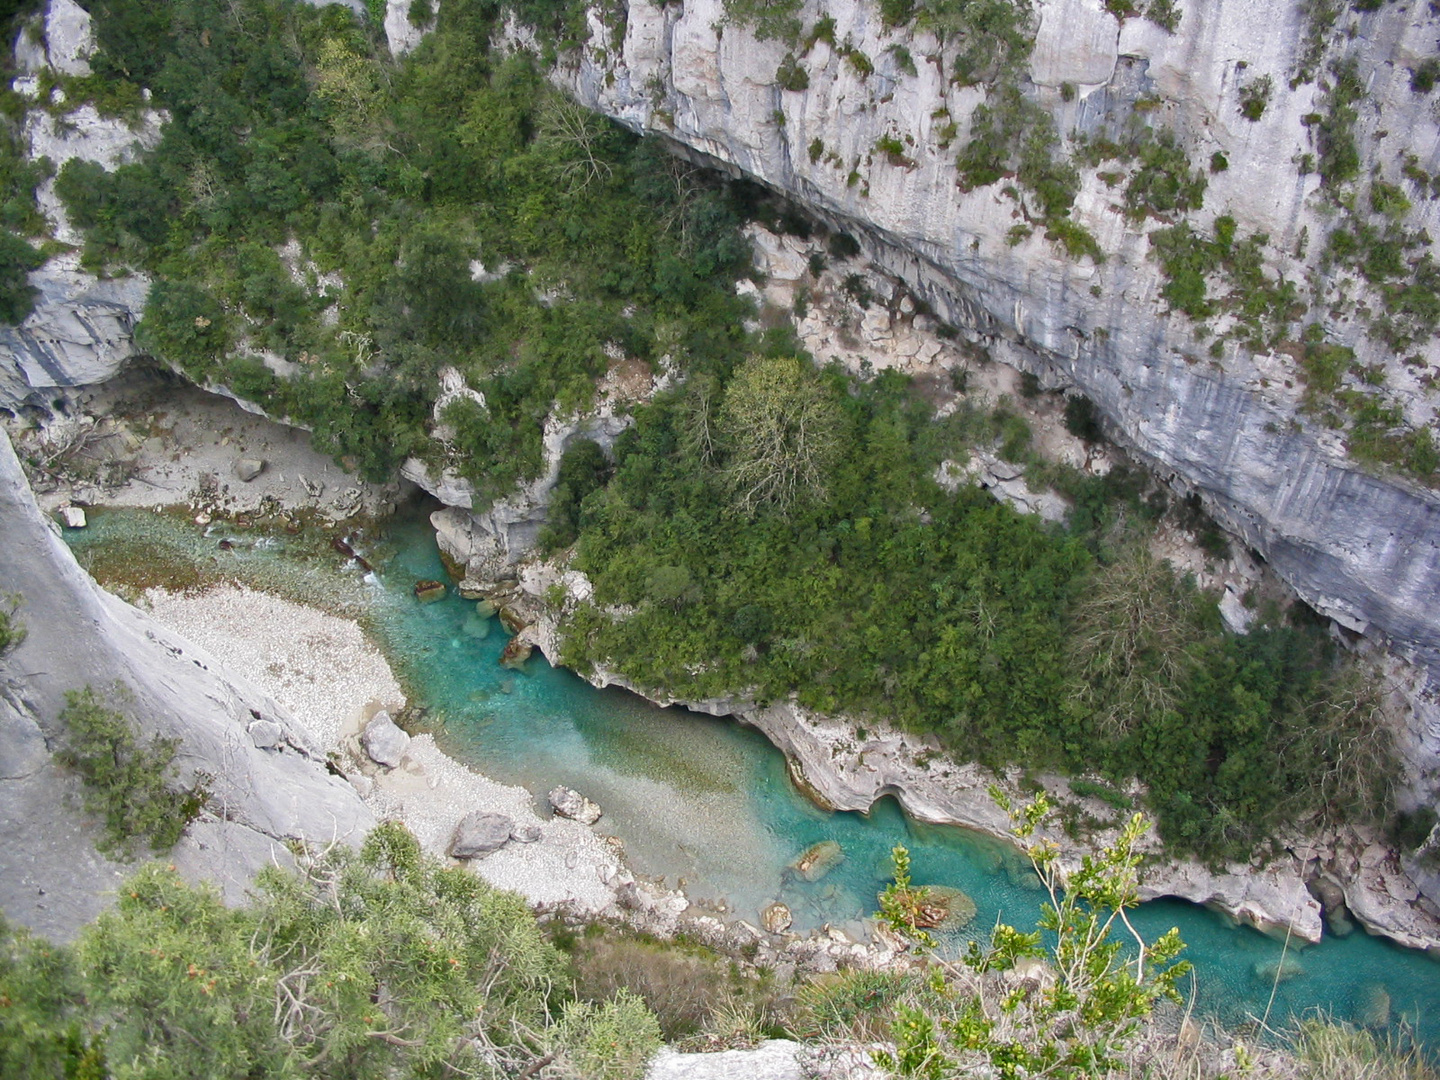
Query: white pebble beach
(330,677)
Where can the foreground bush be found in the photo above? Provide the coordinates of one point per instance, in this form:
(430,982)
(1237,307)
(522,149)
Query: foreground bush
(376,963)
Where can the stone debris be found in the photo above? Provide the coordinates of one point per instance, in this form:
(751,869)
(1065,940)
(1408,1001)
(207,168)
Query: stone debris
(383,741)
(479,833)
(429,591)
(569,803)
(73,517)
(247,469)
(515,654)
(776,918)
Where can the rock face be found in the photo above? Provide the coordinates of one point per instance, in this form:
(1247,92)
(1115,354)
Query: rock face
(1360,548)
(80,333)
(51,877)
(489,542)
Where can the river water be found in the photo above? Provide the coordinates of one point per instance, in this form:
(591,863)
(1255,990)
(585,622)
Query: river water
(705,802)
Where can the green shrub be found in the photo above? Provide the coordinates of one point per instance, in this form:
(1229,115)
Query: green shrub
(1254,96)
(12,630)
(1164,183)
(1425,75)
(790,75)
(610,1041)
(17,259)
(128,783)
(1335,133)
(1082,419)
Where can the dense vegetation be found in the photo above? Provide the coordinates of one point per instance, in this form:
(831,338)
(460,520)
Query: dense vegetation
(878,593)
(377,963)
(316,219)
(403,179)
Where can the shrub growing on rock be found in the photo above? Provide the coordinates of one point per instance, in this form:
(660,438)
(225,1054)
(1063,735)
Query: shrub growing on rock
(127,782)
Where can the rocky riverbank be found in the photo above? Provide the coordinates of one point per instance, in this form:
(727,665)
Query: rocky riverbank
(1310,882)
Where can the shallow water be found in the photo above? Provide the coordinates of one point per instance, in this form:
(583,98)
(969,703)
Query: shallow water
(707,803)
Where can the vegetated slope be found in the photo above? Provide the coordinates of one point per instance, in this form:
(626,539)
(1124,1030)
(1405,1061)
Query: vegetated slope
(1213,217)
(335,235)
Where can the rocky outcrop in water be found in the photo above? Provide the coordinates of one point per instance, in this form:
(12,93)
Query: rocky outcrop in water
(52,879)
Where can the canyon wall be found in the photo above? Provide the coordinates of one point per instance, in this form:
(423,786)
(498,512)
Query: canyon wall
(1360,546)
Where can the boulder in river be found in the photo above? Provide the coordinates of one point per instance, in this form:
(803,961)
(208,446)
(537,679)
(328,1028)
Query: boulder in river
(479,833)
(818,860)
(776,918)
(428,591)
(569,803)
(515,654)
(73,517)
(383,741)
(946,909)
(1279,970)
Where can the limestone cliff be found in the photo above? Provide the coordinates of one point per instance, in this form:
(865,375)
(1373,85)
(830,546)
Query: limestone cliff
(1360,547)
(269,783)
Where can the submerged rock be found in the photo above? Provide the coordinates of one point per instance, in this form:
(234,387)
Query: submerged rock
(383,741)
(476,627)
(1279,970)
(479,833)
(515,654)
(1372,1006)
(947,909)
(818,860)
(569,803)
(428,591)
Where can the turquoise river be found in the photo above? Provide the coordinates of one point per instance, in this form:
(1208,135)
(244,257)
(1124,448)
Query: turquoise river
(707,802)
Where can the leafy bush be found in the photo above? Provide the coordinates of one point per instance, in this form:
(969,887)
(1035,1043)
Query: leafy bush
(791,75)
(12,630)
(127,782)
(359,965)
(1082,419)
(1335,133)
(17,259)
(1254,96)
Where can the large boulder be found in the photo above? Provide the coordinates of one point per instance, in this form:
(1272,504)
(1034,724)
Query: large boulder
(384,741)
(479,833)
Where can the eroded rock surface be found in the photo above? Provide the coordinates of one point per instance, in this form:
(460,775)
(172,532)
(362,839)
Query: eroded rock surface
(51,877)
